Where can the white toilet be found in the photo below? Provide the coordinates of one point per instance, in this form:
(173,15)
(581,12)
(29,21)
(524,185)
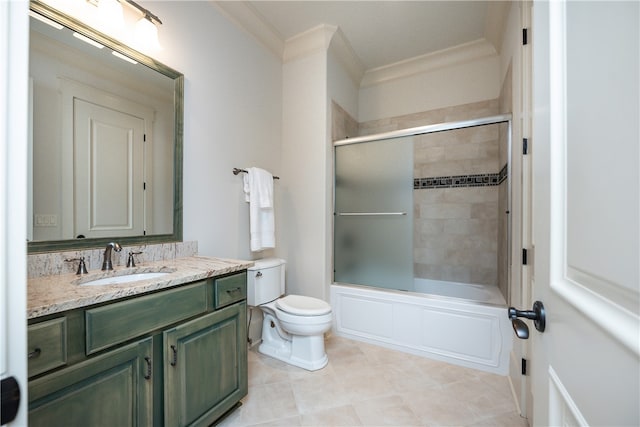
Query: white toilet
(293,327)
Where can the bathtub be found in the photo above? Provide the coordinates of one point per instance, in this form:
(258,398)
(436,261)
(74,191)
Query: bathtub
(467,291)
(463,324)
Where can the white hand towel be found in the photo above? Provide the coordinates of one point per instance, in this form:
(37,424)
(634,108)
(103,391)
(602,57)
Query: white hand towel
(258,189)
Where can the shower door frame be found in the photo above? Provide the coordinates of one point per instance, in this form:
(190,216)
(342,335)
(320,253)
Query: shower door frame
(433,128)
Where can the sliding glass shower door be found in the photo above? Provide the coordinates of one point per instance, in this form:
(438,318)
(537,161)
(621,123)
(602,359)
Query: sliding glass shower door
(373,215)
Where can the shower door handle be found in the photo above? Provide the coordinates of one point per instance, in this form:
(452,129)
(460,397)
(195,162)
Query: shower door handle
(538,316)
(371,213)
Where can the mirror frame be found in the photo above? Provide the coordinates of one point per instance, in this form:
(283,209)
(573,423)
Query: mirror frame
(176,235)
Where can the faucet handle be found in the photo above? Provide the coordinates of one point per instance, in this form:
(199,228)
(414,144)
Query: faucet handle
(131,262)
(82,267)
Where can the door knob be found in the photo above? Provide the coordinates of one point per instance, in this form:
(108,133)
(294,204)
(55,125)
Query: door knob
(10,399)
(537,315)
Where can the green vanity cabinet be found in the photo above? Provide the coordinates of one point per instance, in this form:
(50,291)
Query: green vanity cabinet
(174,357)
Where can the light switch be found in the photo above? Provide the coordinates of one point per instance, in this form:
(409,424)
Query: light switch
(45,220)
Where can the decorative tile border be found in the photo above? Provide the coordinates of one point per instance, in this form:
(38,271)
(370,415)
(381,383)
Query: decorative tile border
(504,172)
(460,181)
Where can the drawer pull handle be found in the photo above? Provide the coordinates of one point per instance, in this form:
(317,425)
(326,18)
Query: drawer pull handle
(35,353)
(234,290)
(174,358)
(148,374)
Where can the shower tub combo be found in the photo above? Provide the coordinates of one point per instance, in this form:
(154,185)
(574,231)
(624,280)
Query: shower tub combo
(375,296)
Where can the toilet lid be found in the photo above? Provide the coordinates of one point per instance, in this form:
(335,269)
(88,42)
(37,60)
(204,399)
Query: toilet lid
(303,306)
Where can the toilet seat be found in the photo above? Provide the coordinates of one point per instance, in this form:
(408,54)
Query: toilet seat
(303,306)
(304,324)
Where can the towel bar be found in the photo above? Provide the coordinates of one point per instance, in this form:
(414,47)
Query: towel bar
(236,171)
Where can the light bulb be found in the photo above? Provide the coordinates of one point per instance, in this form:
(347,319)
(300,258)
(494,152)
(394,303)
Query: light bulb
(111,16)
(146,35)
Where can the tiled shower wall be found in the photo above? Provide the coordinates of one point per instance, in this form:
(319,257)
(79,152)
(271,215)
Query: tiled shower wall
(456,220)
(342,124)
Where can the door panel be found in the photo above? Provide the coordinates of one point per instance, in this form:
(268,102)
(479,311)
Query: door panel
(108,171)
(108,390)
(204,362)
(586,365)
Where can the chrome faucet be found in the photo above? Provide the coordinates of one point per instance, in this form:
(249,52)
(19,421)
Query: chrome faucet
(106,263)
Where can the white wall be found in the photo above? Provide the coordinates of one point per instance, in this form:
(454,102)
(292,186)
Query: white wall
(233,118)
(340,84)
(463,83)
(311,81)
(304,166)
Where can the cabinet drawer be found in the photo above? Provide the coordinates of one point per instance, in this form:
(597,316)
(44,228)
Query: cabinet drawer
(119,322)
(47,345)
(230,289)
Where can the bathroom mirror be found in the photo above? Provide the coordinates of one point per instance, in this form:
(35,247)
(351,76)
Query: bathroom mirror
(105,157)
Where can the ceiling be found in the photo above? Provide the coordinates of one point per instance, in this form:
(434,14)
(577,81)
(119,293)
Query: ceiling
(382,33)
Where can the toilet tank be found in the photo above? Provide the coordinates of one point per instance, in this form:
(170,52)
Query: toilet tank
(265,281)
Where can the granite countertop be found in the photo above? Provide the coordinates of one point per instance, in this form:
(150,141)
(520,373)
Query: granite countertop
(62,292)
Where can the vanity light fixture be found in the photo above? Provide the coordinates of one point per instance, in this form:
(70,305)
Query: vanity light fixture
(145,12)
(87,40)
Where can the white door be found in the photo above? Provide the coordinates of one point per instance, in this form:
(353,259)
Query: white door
(108,171)
(586,365)
(14,51)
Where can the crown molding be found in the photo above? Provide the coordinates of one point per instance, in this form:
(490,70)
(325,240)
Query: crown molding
(313,40)
(246,17)
(460,54)
(344,52)
(321,37)
(325,37)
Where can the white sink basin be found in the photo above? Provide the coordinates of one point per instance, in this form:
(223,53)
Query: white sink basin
(126,278)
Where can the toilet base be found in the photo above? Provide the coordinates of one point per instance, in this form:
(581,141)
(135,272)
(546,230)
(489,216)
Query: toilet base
(305,352)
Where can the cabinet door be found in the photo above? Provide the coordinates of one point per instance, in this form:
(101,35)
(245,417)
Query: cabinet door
(114,389)
(205,367)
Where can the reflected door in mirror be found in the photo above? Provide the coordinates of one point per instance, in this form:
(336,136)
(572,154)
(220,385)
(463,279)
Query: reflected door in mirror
(108,171)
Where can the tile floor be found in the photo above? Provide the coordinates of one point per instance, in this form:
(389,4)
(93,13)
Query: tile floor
(367,385)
